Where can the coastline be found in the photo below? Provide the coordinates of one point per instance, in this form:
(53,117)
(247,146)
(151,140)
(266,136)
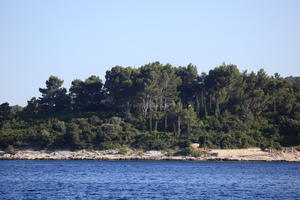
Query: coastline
(247,155)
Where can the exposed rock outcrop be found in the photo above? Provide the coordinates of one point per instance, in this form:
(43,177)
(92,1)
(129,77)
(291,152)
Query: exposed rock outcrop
(251,154)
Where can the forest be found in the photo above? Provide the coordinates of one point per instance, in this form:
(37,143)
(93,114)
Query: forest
(156,107)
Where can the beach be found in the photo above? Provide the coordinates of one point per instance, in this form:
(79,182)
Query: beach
(250,154)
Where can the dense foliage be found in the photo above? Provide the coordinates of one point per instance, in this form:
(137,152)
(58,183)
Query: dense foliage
(158,106)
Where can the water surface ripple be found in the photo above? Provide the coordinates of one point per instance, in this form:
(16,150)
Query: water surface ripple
(111,180)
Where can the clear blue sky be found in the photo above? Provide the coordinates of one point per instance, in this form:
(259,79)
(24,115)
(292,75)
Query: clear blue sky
(76,39)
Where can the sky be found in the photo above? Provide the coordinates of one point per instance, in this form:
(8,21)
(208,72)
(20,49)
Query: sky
(75,39)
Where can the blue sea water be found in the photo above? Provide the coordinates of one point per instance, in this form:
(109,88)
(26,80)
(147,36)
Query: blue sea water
(22,180)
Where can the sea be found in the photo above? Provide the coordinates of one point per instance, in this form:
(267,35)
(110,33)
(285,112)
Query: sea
(55,180)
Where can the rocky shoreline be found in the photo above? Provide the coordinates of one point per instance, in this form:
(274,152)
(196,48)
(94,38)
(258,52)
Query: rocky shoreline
(251,154)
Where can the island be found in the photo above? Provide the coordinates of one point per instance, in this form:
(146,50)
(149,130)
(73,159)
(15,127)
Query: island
(158,112)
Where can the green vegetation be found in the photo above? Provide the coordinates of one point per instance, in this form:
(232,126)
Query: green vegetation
(158,107)
(190,151)
(10,150)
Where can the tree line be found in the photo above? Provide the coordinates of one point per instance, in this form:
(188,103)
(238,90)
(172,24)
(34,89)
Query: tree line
(159,106)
